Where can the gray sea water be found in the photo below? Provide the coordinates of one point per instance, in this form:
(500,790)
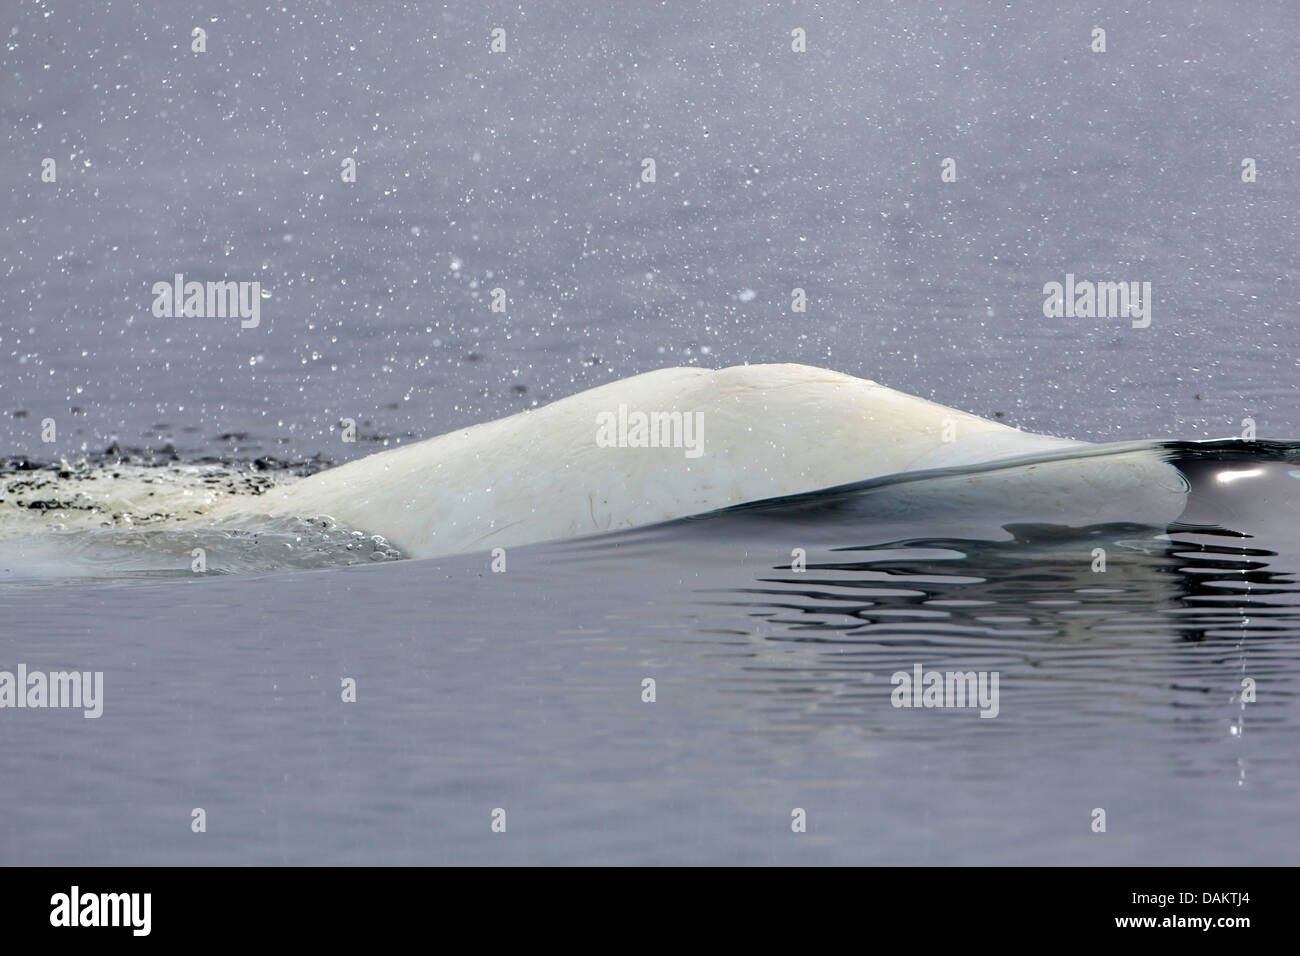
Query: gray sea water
(1163,690)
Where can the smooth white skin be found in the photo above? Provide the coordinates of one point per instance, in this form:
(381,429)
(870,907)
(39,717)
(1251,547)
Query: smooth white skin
(768,431)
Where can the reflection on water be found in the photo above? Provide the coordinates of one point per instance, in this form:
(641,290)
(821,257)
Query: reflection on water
(1083,625)
(1189,585)
(1065,639)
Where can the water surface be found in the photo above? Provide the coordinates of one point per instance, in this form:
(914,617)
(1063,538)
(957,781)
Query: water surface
(477,690)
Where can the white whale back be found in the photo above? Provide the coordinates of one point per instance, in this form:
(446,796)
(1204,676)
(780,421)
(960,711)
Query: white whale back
(767,431)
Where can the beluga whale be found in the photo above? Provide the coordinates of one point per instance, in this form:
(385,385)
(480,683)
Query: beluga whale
(682,442)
